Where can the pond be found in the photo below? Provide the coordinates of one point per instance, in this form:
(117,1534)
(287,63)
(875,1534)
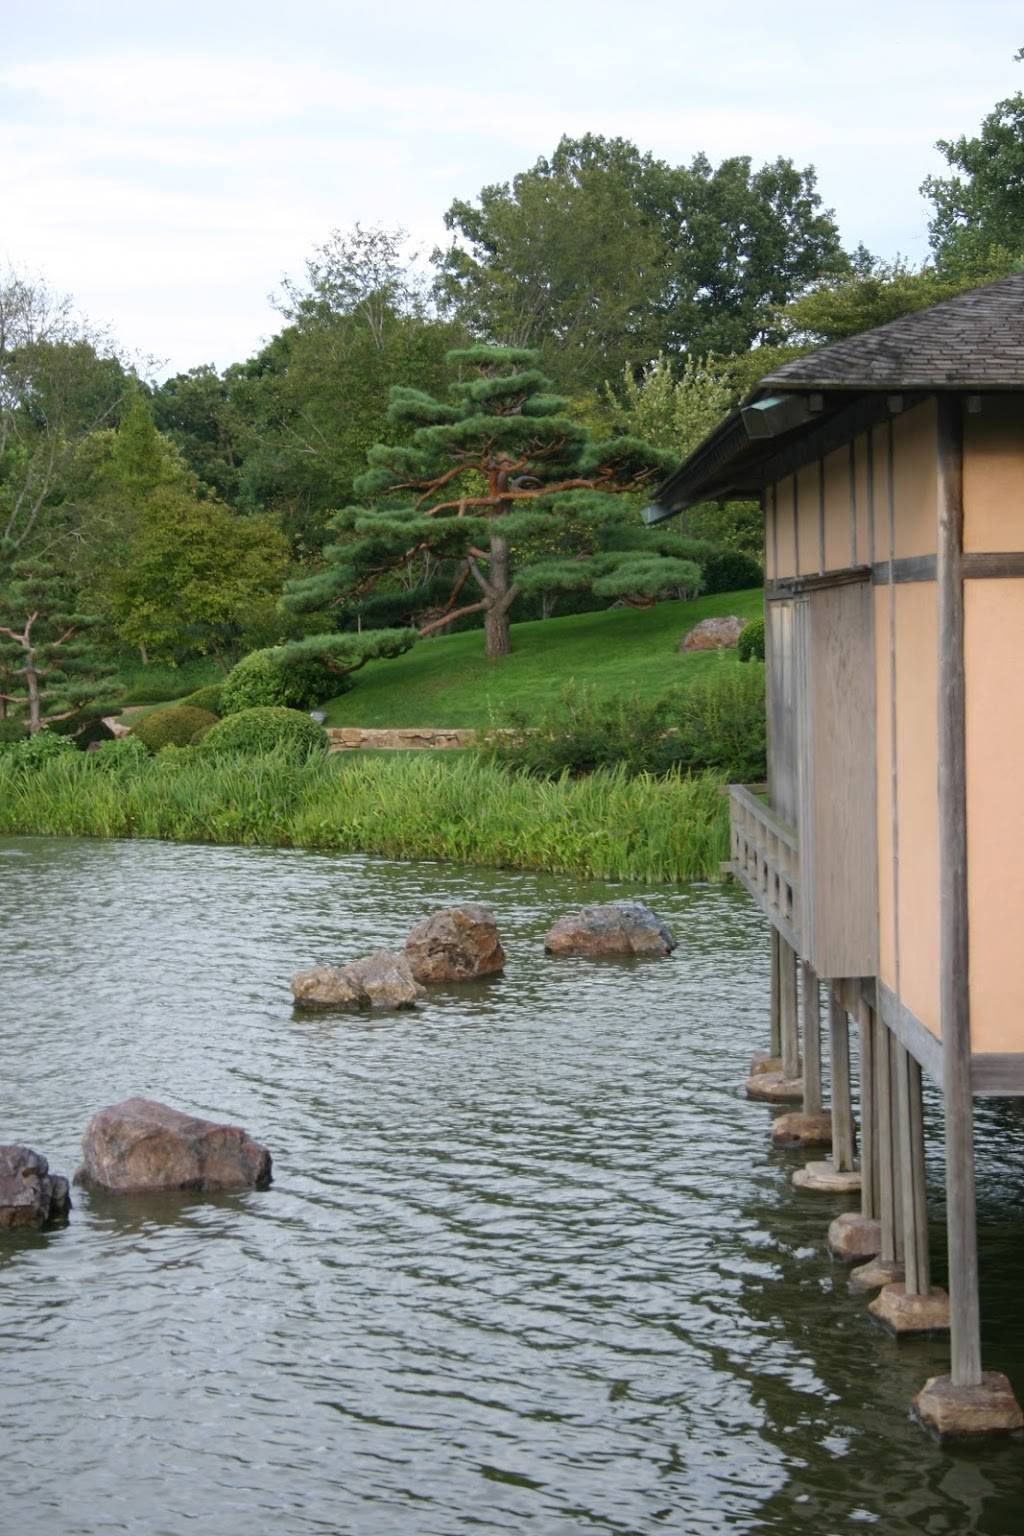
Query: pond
(528,1264)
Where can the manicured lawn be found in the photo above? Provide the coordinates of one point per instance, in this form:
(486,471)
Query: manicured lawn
(449,682)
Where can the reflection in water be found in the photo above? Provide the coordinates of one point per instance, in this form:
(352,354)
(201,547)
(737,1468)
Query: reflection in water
(528,1263)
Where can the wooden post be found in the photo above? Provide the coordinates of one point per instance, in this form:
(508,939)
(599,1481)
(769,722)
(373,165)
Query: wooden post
(897,1161)
(886,1159)
(776,1032)
(842,1107)
(868,1113)
(788,1022)
(954,992)
(913,1199)
(920,1184)
(812,1040)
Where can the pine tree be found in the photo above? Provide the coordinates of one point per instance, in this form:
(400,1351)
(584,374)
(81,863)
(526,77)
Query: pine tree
(495,485)
(50,668)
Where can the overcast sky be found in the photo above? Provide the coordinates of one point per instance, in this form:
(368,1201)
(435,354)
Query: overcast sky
(167,165)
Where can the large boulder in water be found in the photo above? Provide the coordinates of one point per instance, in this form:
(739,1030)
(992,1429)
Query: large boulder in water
(455,944)
(381,980)
(140,1146)
(617,928)
(30,1195)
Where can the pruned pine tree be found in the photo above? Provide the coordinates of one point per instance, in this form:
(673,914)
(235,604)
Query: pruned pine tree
(51,670)
(489,478)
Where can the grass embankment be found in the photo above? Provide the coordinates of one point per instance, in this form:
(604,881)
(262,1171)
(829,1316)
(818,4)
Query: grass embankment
(448,681)
(607,826)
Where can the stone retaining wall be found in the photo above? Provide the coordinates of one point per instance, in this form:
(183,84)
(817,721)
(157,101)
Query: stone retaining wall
(348,738)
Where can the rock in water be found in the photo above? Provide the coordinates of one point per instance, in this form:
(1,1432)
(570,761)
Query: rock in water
(380,980)
(618,928)
(30,1195)
(714,634)
(455,944)
(140,1146)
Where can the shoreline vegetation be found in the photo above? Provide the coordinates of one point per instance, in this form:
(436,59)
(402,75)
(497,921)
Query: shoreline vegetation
(452,807)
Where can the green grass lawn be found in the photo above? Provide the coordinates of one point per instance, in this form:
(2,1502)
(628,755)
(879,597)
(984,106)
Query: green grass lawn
(448,681)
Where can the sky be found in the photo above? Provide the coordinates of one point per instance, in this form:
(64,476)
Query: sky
(167,166)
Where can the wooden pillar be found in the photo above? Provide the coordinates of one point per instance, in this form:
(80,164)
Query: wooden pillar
(812,1040)
(913,1197)
(886,1150)
(897,1161)
(869,1183)
(954,993)
(842,1107)
(775,1044)
(788,1022)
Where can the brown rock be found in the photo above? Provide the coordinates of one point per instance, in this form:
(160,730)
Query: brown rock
(803,1130)
(30,1195)
(773,1088)
(874,1274)
(989,1408)
(616,928)
(381,980)
(140,1145)
(763,1061)
(714,634)
(902,1312)
(853,1237)
(455,944)
(826,1179)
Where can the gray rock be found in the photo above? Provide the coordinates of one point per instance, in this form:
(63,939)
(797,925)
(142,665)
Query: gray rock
(30,1195)
(140,1146)
(618,928)
(381,980)
(714,634)
(455,944)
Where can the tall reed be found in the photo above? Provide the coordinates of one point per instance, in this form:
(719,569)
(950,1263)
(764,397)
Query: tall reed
(423,806)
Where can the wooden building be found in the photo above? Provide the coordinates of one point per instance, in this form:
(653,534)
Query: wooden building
(889,853)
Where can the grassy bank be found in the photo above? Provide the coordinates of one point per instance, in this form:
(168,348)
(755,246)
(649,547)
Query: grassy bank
(429,806)
(448,681)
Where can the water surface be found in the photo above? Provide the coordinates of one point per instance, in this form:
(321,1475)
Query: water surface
(528,1264)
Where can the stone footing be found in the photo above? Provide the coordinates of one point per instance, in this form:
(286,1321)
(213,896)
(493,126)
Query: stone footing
(773,1088)
(874,1274)
(802,1130)
(824,1179)
(903,1313)
(852,1237)
(952,1412)
(761,1061)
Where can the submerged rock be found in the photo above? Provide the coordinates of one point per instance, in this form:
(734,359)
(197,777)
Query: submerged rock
(381,980)
(30,1195)
(714,634)
(455,944)
(141,1145)
(617,928)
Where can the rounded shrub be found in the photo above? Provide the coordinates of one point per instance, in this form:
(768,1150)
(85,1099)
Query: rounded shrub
(12,730)
(121,752)
(264,679)
(266,729)
(43,747)
(729,570)
(172,727)
(205,698)
(750,645)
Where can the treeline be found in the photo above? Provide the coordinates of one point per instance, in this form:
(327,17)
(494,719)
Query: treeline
(167,519)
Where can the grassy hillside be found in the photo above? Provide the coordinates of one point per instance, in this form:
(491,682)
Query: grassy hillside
(449,682)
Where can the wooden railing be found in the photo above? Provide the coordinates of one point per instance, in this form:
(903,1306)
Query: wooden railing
(766,859)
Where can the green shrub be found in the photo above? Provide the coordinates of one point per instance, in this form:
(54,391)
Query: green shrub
(12,730)
(172,727)
(715,725)
(266,729)
(34,751)
(205,698)
(121,752)
(729,570)
(264,679)
(750,645)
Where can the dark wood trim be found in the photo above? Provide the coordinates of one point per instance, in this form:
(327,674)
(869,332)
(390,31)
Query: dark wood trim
(796,586)
(998,1074)
(796,527)
(821,517)
(866,412)
(909,1031)
(869,441)
(851,472)
(987,564)
(775,530)
(954,953)
(993,564)
(886,573)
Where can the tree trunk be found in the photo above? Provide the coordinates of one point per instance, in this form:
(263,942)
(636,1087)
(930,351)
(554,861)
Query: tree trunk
(35,712)
(498,640)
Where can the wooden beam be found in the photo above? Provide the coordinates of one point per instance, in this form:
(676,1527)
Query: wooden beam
(869,1183)
(775,1048)
(788,1022)
(954,990)
(842,1107)
(886,1149)
(812,1039)
(911,1162)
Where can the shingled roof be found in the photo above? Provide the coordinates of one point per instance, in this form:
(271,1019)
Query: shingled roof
(975,341)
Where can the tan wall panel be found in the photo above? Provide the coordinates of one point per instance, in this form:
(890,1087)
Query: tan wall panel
(787,556)
(917,798)
(838,538)
(994,475)
(993,646)
(864,532)
(880,478)
(883,760)
(807,515)
(916,483)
